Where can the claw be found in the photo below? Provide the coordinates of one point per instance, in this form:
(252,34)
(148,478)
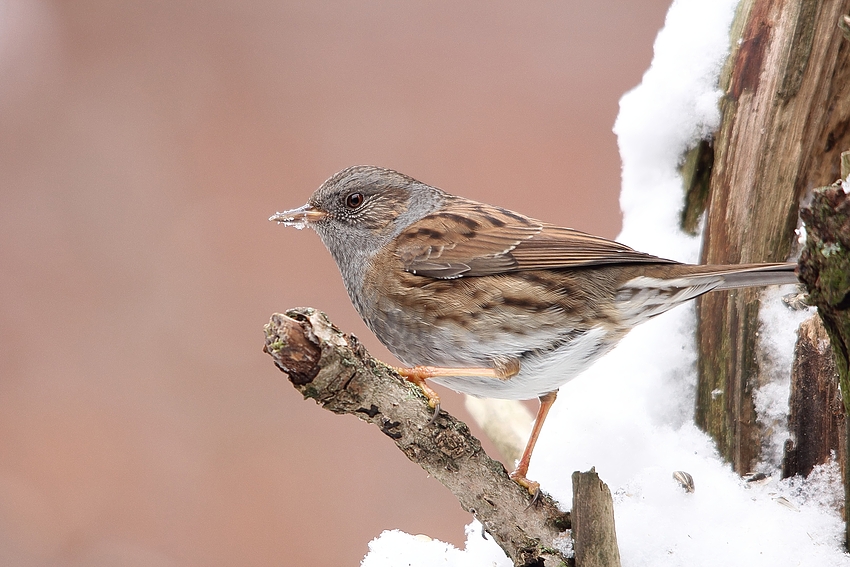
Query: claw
(436,413)
(534,498)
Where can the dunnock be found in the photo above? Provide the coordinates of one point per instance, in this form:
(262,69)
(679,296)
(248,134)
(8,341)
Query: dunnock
(487,301)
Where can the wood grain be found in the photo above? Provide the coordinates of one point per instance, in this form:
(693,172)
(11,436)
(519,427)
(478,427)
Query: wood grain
(785,119)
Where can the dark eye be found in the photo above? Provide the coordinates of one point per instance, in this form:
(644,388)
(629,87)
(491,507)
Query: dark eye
(354,200)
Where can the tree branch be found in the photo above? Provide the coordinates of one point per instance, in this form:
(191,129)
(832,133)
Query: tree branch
(335,370)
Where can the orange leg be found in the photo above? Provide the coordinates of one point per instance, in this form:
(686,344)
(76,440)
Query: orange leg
(518,475)
(418,375)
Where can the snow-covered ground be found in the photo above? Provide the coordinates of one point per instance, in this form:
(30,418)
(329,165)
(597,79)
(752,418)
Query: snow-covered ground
(631,415)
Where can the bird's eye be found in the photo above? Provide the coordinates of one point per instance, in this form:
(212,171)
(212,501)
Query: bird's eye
(354,200)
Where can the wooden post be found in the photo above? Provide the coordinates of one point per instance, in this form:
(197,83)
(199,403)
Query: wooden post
(594,537)
(785,118)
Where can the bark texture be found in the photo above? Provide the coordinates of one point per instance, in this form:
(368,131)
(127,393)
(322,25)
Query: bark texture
(786,112)
(816,417)
(593,522)
(336,371)
(825,269)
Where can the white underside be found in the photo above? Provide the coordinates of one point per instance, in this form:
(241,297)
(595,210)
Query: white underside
(539,373)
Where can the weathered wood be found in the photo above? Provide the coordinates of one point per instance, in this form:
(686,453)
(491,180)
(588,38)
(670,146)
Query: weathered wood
(335,370)
(696,173)
(785,117)
(825,269)
(594,536)
(816,417)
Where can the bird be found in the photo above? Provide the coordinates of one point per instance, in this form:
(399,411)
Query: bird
(487,301)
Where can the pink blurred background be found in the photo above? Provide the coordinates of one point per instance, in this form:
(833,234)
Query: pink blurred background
(143,145)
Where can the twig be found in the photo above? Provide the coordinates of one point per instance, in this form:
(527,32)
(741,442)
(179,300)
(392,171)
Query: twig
(335,370)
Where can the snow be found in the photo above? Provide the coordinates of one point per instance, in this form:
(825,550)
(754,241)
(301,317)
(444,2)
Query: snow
(395,548)
(776,346)
(631,414)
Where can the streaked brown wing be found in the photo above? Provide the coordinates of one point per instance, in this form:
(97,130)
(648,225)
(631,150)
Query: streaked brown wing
(558,247)
(473,239)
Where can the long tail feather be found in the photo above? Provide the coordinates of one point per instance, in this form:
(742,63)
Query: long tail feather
(754,275)
(643,297)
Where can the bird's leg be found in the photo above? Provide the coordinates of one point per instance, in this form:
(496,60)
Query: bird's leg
(418,375)
(546,401)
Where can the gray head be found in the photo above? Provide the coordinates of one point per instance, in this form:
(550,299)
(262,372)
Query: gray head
(359,210)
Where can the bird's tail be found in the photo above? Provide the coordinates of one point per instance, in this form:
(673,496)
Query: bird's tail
(748,275)
(646,296)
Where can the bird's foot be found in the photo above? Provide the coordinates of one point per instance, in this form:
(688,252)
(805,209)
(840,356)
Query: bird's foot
(532,486)
(417,375)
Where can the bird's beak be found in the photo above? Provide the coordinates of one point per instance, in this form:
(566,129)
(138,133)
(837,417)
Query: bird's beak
(300,217)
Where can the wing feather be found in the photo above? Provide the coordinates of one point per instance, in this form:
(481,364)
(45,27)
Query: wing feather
(474,239)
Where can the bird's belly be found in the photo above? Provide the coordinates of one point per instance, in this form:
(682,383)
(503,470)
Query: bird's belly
(541,371)
(546,362)
(550,339)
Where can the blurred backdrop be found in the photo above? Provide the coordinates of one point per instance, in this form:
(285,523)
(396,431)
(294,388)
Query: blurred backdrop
(143,145)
